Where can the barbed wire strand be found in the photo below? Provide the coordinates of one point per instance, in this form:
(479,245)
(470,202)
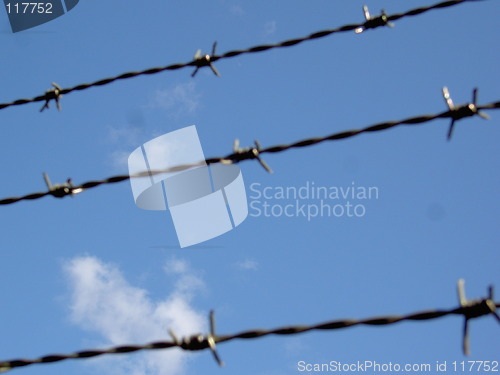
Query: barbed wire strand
(254,153)
(207,60)
(468,309)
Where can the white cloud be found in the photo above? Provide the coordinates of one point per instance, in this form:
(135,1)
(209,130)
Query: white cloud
(176,266)
(295,346)
(165,152)
(237,10)
(270,28)
(248,264)
(127,137)
(104,302)
(179,100)
(188,281)
(119,159)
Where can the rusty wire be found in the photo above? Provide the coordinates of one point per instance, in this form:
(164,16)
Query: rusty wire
(469,309)
(207,60)
(254,153)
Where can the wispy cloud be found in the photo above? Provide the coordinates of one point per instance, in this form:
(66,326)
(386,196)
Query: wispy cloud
(119,159)
(125,138)
(237,10)
(270,28)
(180,99)
(295,346)
(103,301)
(127,134)
(188,280)
(248,264)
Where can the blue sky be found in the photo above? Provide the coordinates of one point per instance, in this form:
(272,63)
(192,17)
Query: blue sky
(96,271)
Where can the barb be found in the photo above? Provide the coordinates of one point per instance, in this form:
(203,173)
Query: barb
(462,111)
(468,309)
(52,94)
(255,152)
(200,342)
(61,190)
(208,60)
(373,22)
(247,153)
(205,60)
(473,309)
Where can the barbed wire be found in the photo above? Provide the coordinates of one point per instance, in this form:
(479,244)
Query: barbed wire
(199,61)
(469,309)
(455,113)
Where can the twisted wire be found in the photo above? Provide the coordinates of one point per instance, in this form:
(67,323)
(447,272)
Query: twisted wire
(253,153)
(471,310)
(55,94)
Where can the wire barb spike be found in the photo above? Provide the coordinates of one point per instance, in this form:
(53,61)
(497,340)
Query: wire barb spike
(372,22)
(240,154)
(205,60)
(200,342)
(466,110)
(61,190)
(52,94)
(474,309)
(468,309)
